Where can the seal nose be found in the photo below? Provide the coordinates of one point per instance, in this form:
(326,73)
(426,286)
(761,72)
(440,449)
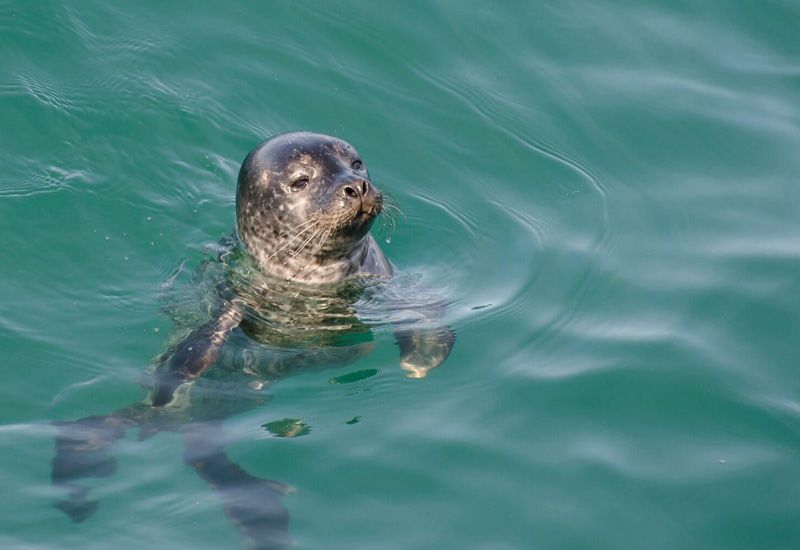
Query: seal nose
(356,189)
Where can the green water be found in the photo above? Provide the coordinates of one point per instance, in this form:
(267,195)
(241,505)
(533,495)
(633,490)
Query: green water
(606,194)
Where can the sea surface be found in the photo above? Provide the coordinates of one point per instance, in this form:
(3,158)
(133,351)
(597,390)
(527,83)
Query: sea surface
(606,194)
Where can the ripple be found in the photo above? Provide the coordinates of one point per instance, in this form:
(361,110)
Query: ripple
(47,94)
(536,227)
(500,120)
(748,110)
(516,288)
(47,180)
(80,27)
(697,461)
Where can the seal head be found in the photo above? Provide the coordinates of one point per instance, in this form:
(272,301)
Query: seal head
(304,207)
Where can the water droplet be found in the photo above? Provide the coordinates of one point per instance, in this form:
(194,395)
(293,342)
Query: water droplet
(149,218)
(126,258)
(156,330)
(108,238)
(388,240)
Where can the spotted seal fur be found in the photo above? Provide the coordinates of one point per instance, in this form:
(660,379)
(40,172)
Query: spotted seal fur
(304,207)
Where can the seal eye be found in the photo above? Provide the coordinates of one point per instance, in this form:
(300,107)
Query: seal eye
(357,165)
(299,184)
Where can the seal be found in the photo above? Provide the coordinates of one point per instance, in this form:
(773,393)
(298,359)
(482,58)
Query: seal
(304,208)
(305,204)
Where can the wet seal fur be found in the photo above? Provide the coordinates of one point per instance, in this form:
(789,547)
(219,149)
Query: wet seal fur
(305,204)
(304,207)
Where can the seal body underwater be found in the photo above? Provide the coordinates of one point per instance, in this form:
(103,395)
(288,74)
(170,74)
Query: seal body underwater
(305,204)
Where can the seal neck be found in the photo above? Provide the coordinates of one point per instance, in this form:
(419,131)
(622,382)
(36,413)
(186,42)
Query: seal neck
(323,266)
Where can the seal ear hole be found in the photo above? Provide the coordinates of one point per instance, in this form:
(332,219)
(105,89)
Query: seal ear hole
(357,165)
(299,184)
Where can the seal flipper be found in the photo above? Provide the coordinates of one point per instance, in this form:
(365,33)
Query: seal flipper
(196,353)
(77,506)
(83,446)
(253,504)
(82,450)
(425,341)
(423,349)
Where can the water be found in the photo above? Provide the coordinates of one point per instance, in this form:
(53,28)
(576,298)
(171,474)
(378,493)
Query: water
(606,195)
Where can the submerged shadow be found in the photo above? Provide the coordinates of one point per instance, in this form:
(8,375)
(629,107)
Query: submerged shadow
(83,450)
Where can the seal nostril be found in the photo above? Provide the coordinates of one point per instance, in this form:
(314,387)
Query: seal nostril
(364,188)
(350,192)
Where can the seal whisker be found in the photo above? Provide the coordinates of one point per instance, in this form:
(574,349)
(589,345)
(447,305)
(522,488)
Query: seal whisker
(389,218)
(305,243)
(312,253)
(322,242)
(296,227)
(392,206)
(285,245)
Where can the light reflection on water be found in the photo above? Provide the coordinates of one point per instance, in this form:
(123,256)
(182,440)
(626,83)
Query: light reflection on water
(604,195)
